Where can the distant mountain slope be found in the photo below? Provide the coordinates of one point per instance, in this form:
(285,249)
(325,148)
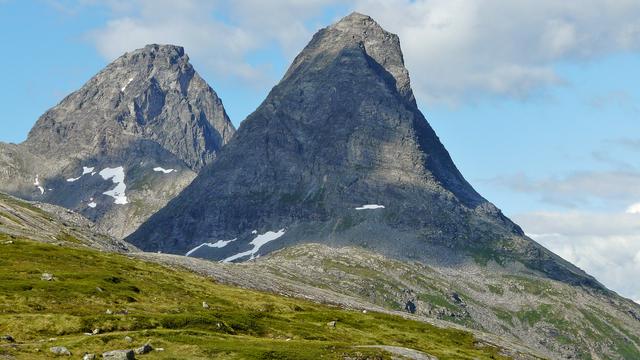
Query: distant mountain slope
(340,154)
(124,144)
(52,224)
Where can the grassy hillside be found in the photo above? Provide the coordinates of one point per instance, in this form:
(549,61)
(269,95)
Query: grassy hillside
(153,303)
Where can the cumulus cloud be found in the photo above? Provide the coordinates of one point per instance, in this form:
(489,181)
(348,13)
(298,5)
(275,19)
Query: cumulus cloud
(578,188)
(634,209)
(607,246)
(222,35)
(186,23)
(458,49)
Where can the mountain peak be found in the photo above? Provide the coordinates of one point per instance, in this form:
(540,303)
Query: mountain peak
(339,153)
(160,50)
(141,93)
(355,22)
(357,31)
(167,55)
(149,109)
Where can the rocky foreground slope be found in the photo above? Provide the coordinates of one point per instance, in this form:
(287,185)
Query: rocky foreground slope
(124,144)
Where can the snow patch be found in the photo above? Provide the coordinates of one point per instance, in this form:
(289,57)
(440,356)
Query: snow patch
(117,176)
(218,244)
(254,232)
(92,204)
(258,242)
(85,170)
(370,207)
(36,183)
(127,84)
(163,170)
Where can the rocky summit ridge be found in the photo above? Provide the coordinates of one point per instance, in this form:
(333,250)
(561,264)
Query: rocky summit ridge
(126,142)
(339,153)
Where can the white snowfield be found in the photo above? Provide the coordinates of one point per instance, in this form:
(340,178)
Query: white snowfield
(36,183)
(370,207)
(117,176)
(163,170)
(258,242)
(92,204)
(218,244)
(85,170)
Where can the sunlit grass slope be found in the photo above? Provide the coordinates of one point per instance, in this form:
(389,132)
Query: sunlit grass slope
(152,303)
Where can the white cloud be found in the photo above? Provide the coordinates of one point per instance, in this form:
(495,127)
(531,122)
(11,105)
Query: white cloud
(578,188)
(456,50)
(219,46)
(634,209)
(221,35)
(459,49)
(605,245)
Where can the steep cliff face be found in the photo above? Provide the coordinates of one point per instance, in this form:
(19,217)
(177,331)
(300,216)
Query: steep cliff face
(339,153)
(124,144)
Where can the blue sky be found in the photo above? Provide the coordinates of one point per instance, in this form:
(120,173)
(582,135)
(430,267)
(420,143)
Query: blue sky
(538,103)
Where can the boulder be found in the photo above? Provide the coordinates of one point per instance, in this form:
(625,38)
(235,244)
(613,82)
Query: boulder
(144,349)
(119,355)
(7,338)
(410,307)
(60,350)
(46,277)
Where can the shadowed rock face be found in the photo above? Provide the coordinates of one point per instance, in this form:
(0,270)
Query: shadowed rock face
(342,130)
(148,109)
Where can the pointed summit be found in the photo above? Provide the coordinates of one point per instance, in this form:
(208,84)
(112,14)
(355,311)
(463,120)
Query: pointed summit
(96,151)
(150,52)
(357,31)
(339,153)
(151,93)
